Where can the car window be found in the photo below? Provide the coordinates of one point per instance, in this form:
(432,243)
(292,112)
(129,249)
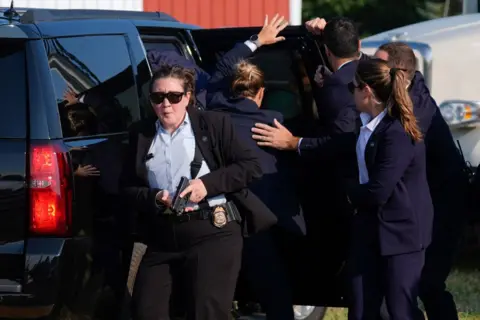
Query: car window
(13,90)
(282,92)
(94,84)
(284,85)
(161,46)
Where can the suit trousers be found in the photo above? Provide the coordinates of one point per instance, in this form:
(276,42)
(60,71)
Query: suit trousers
(374,277)
(267,275)
(448,225)
(195,261)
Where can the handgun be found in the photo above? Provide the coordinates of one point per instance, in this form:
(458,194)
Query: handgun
(179,203)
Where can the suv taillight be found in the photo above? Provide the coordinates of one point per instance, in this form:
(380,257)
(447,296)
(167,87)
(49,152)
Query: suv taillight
(50,191)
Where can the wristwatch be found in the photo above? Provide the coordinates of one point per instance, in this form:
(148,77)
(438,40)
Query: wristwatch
(254,39)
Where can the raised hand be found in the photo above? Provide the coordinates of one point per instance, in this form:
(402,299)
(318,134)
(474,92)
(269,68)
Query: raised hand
(269,33)
(316,25)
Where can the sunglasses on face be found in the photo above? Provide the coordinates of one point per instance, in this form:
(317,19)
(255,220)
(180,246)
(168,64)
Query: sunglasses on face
(172,97)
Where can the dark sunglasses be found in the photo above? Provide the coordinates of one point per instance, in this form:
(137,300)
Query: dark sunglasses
(173,97)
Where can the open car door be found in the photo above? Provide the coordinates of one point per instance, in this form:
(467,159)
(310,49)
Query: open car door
(316,262)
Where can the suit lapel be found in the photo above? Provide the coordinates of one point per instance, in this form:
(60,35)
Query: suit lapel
(144,141)
(372,143)
(203,138)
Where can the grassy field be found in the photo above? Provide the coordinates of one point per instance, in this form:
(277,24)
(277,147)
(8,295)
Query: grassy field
(463,283)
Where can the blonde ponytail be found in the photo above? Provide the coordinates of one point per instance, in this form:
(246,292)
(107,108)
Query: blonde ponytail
(401,104)
(248,79)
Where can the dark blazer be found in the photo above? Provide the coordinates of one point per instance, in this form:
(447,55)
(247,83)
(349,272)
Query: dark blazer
(337,116)
(276,188)
(395,205)
(445,165)
(233,166)
(336,109)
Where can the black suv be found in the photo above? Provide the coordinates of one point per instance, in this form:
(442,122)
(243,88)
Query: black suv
(65,239)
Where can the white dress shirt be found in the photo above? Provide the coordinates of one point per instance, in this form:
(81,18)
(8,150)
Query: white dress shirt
(368,126)
(172,155)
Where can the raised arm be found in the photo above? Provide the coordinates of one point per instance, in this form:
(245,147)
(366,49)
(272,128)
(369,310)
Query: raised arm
(224,69)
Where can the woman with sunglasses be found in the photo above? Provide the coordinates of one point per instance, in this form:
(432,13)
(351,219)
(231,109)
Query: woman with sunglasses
(394,213)
(196,249)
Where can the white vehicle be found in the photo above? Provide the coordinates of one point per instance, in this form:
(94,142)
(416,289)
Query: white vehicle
(448,54)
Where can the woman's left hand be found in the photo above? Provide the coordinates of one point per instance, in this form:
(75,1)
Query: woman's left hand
(198,190)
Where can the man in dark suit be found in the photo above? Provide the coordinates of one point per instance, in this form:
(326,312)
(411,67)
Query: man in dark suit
(323,195)
(447,181)
(335,103)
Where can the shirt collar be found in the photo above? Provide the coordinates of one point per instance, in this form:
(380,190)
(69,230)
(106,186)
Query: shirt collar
(370,123)
(345,63)
(186,121)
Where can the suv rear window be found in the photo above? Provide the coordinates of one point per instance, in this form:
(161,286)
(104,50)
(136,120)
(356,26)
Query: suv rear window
(13,89)
(94,84)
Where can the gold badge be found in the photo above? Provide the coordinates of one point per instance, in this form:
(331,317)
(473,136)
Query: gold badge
(219,217)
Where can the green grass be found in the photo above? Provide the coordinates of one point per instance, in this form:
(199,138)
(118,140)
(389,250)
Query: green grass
(341,314)
(463,283)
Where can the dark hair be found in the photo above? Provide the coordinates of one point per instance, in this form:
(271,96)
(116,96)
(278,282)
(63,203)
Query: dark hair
(248,80)
(400,55)
(341,37)
(390,87)
(177,72)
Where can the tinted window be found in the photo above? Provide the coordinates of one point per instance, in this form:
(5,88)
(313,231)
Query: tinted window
(94,84)
(161,46)
(282,83)
(13,90)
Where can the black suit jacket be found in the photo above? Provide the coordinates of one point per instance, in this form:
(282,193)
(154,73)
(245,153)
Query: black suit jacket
(445,165)
(233,166)
(277,186)
(337,117)
(394,208)
(336,110)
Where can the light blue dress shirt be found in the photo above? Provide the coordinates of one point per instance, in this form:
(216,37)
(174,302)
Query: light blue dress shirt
(172,155)
(368,126)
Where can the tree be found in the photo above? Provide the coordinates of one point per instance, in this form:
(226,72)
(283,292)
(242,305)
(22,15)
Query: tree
(374,16)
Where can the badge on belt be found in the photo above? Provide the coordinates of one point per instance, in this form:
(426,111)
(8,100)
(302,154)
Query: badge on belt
(219,217)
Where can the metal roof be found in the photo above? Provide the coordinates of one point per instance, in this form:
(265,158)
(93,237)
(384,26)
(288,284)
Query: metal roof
(29,15)
(431,29)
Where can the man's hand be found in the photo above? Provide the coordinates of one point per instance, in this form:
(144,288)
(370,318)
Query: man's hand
(70,96)
(198,190)
(270,31)
(316,25)
(164,198)
(320,74)
(277,137)
(87,171)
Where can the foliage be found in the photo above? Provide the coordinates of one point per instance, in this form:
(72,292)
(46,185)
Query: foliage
(374,16)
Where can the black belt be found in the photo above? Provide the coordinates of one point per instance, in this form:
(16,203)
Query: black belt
(232,214)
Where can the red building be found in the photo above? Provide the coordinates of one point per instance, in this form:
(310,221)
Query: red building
(204,13)
(226,13)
